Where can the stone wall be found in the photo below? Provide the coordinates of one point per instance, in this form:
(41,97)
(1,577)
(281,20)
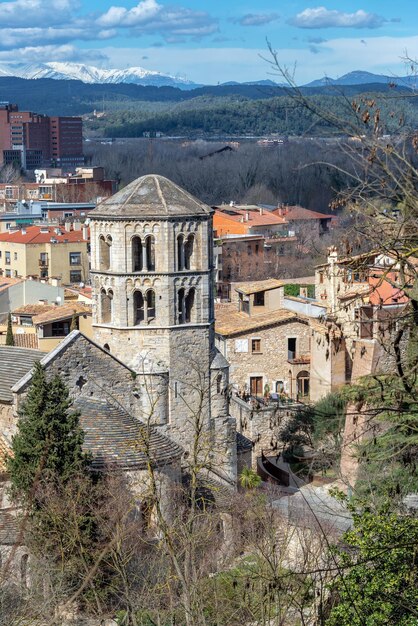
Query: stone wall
(272,362)
(262,426)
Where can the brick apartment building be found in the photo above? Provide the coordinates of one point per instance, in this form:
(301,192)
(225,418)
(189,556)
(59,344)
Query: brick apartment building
(33,140)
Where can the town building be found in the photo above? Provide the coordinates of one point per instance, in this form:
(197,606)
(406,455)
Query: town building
(267,345)
(235,219)
(41,213)
(31,140)
(298,218)
(45,252)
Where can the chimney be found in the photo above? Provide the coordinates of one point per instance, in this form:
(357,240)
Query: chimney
(67,226)
(247,216)
(261,210)
(23,231)
(77,225)
(85,232)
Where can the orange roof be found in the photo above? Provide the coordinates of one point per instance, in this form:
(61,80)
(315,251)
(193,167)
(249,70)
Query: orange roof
(43,234)
(61,313)
(297,212)
(236,222)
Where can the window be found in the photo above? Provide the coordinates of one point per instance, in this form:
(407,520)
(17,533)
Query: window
(259,298)
(219,383)
(106,304)
(105,245)
(137,252)
(75,258)
(139,308)
(256,385)
(7,258)
(188,252)
(321,278)
(279,386)
(255,346)
(186,306)
(15,256)
(150,253)
(291,348)
(180,253)
(75,276)
(302,380)
(60,329)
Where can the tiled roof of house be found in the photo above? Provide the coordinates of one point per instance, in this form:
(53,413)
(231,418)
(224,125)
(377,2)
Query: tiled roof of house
(115,437)
(34,309)
(257,286)
(43,234)
(6,283)
(14,364)
(240,221)
(61,312)
(297,212)
(150,196)
(229,321)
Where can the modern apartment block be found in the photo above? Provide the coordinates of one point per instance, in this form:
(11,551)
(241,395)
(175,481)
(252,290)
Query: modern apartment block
(33,140)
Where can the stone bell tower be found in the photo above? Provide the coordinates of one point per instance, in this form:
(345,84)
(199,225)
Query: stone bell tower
(152,277)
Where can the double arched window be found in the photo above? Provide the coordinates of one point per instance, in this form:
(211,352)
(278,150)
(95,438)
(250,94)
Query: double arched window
(186,306)
(105,245)
(144,307)
(185,248)
(143,254)
(106,306)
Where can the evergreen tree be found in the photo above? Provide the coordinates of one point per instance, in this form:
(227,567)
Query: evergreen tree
(9,334)
(48,444)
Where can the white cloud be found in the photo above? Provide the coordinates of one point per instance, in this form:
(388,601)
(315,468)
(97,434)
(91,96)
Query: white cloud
(320,17)
(37,12)
(120,16)
(41,54)
(257,19)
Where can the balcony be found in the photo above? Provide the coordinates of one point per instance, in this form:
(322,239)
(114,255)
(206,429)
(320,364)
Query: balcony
(43,262)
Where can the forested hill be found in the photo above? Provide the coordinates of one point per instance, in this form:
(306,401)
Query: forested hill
(71,97)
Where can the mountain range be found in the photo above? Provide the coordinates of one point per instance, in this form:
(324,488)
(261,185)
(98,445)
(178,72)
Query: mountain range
(140,76)
(94,75)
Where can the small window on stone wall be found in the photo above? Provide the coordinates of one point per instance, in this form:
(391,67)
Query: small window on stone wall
(255,346)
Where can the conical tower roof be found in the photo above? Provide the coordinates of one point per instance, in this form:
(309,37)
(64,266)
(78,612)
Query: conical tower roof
(150,196)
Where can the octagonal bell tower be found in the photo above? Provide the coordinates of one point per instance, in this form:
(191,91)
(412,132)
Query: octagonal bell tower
(152,278)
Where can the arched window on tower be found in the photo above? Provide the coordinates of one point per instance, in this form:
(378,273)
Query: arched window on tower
(105,245)
(150,248)
(189,308)
(180,253)
(180,306)
(139,308)
(137,254)
(188,252)
(150,312)
(106,306)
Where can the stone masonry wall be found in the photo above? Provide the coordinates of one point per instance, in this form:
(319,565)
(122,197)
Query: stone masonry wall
(272,362)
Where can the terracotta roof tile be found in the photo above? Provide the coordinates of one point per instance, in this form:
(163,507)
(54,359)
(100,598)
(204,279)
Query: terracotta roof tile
(229,321)
(33,309)
(256,286)
(36,234)
(300,213)
(26,340)
(61,312)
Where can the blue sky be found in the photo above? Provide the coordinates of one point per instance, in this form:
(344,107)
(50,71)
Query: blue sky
(213,41)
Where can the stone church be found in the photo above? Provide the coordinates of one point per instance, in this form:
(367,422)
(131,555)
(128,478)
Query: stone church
(152,366)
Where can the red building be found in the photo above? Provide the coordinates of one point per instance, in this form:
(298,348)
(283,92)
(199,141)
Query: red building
(33,140)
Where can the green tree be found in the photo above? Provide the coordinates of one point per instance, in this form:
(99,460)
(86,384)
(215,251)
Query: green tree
(249,479)
(74,322)
(49,439)
(379,567)
(10,341)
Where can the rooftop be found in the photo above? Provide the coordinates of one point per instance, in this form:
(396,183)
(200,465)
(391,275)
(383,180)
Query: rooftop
(229,321)
(297,212)
(150,196)
(257,286)
(34,309)
(43,234)
(115,437)
(57,313)
(14,364)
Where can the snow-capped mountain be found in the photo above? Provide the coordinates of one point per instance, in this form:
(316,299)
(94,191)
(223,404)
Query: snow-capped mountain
(91,74)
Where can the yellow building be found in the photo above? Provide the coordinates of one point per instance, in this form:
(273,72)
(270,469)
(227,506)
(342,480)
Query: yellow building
(45,252)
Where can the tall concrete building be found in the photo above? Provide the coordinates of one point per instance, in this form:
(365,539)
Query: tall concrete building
(152,277)
(33,140)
